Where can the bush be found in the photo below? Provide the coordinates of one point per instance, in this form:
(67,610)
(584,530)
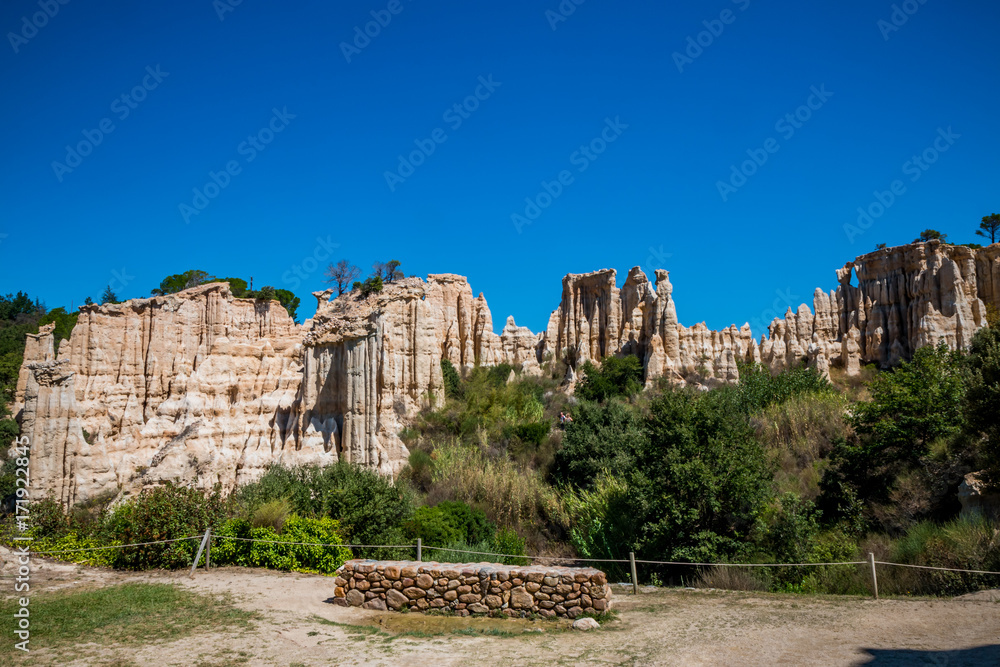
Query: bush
(452,382)
(617,376)
(73,542)
(966,543)
(274,552)
(370,508)
(601,438)
(164,513)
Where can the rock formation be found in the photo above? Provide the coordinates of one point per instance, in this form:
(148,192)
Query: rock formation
(202,388)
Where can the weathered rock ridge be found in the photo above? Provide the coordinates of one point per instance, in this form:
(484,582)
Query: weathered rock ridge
(202,388)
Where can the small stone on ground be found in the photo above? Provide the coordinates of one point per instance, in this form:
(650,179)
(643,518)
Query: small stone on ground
(585,624)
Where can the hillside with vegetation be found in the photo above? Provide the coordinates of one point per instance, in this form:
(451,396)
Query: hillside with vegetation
(780,467)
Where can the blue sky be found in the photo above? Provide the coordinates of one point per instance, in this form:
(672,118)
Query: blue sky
(329,121)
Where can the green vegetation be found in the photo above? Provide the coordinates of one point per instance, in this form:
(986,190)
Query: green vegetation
(125,614)
(786,467)
(615,377)
(194,277)
(989,227)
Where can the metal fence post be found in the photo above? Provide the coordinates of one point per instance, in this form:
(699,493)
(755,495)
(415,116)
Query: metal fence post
(201,548)
(871,561)
(208,551)
(420,550)
(635,578)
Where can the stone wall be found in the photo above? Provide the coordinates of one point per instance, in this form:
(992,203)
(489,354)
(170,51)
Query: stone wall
(478,588)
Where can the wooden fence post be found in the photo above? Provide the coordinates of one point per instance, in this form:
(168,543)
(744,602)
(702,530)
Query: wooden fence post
(201,548)
(420,550)
(871,561)
(635,578)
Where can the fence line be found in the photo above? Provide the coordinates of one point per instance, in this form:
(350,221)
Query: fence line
(496,555)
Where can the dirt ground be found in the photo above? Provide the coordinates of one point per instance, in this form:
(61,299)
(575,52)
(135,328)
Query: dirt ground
(299,626)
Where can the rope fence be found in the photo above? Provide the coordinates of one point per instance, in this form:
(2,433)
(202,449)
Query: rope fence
(208,537)
(498,555)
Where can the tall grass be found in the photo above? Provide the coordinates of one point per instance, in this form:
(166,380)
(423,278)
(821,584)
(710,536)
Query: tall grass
(799,434)
(512,496)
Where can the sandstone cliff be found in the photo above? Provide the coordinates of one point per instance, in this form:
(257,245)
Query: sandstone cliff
(202,388)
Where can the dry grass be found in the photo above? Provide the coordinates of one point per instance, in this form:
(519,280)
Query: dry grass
(511,495)
(732,579)
(799,434)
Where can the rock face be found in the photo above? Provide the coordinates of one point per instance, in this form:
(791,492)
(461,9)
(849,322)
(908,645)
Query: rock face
(472,588)
(202,388)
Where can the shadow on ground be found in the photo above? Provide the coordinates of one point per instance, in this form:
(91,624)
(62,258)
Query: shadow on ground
(971,657)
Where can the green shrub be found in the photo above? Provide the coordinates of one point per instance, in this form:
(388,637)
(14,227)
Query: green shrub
(601,438)
(452,382)
(274,550)
(533,432)
(164,513)
(617,376)
(431,525)
(449,522)
(603,524)
(75,544)
(370,508)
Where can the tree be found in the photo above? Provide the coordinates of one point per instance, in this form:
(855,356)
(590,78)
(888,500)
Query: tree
(341,274)
(990,226)
(88,301)
(930,235)
(984,395)
(237,286)
(387,271)
(370,286)
(392,271)
(879,246)
(912,407)
(182,281)
(109,296)
(616,377)
(286,298)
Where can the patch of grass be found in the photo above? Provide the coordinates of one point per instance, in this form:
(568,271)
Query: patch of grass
(126,614)
(427,626)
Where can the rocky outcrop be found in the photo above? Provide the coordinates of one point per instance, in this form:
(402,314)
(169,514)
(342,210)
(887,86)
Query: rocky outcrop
(202,388)
(888,304)
(196,388)
(476,588)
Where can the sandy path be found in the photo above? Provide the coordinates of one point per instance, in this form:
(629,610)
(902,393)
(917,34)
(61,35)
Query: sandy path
(658,627)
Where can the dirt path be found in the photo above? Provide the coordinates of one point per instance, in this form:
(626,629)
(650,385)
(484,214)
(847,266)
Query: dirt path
(658,627)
